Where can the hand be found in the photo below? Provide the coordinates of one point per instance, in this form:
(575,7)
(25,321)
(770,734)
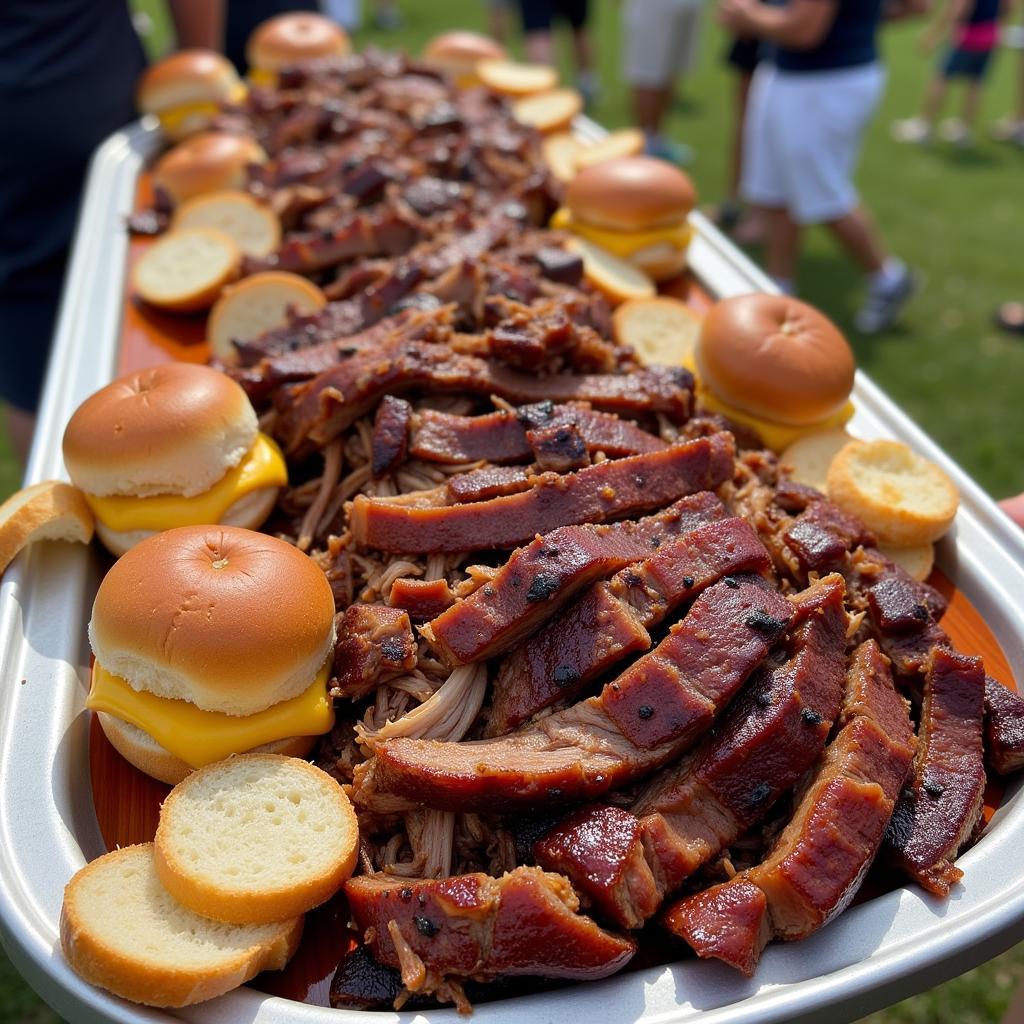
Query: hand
(735,15)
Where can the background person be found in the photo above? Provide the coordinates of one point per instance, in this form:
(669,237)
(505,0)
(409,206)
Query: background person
(660,46)
(1011,128)
(538,17)
(804,129)
(972,28)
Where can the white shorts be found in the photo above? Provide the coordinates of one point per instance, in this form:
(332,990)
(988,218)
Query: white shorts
(802,137)
(660,40)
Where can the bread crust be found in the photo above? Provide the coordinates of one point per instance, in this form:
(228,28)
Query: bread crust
(549,112)
(198,805)
(235,621)
(154,978)
(188,76)
(457,53)
(775,357)
(48,510)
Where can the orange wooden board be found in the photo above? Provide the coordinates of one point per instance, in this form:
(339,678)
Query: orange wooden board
(128,802)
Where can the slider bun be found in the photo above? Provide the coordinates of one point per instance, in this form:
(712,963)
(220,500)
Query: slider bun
(662,261)
(253,226)
(508,78)
(631,193)
(250,512)
(172,429)
(208,162)
(188,77)
(548,112)
(231,620)
(292,38)
(775,357)
(49,510)
(138,748)
(458,53)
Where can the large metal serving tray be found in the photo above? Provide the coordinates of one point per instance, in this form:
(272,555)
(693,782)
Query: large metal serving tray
(874,954)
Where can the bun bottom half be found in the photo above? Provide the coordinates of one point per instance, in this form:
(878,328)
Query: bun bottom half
(661,262)
(138,748)
(249,512)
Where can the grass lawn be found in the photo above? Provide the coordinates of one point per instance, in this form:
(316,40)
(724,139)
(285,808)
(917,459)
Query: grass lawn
(952,214)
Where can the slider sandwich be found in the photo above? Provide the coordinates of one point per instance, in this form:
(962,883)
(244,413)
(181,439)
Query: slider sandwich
(211,641)
(175,445)
(291,39)
(187,90)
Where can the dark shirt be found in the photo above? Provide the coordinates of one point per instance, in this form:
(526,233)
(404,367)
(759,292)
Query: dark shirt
(68,70)
(849,42)
(982,13)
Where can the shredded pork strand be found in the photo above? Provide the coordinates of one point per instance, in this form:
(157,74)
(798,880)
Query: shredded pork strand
(446,715)
(328,482)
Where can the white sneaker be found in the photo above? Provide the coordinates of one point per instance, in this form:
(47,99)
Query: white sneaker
(914,130)
(955,132)
(883,305)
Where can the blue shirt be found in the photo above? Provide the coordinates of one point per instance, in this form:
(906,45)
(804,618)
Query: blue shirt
(849,42)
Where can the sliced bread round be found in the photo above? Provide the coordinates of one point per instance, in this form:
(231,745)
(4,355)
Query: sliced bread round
(121,930)
(256,838)
(661,330)
(186,270)
(49,510)
(255,228)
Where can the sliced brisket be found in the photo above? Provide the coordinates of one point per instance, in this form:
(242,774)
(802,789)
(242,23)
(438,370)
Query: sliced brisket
(373,642)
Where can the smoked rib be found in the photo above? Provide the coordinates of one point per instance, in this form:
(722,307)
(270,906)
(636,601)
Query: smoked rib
(820,859)
(628,863)
(641,720)
(611,490)
(541,577)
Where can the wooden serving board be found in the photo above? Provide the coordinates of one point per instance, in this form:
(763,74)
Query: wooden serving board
(128,802)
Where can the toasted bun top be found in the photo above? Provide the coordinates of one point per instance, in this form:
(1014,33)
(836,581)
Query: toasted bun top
(775,357)
(189,76)
(631,193)
(173,429)
(460,48)
(231,620)
(207,162)
(292,38)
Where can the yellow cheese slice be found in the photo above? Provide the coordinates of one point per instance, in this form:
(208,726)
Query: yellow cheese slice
(263,466)
(201,737)
(172,119)
(263,78)
(777,436)
(622,243)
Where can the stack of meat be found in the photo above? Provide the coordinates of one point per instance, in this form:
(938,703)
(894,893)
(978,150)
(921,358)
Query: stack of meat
(598,667)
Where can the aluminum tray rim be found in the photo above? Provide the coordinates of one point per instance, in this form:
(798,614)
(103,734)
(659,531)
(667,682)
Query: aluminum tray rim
(873,954)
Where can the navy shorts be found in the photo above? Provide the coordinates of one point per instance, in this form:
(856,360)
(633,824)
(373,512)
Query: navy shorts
(958,63)
(538,15)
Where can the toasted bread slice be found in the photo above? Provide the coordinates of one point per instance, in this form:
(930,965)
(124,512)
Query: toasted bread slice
(918,560)
(615,278)
(50,510)
(548,112)
(560,151)
(807,459)
(903,497)
(660,330)
(257,304)
(255,228)
(186,270)
(256,838)
(508,78)
(121,930)
(624,142)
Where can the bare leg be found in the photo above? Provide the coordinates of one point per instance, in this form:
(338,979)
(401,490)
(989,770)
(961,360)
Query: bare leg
(972,102)
(540,47)
(650,106)
(499,22)
(21,426)
(1020,88)
(583,50)
(782,244)
(736,169)
(859,236)
(934,98)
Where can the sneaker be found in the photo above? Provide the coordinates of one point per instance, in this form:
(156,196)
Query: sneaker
(883,305)
(955,132)
(1008,129)
(914,130)
(674,152)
